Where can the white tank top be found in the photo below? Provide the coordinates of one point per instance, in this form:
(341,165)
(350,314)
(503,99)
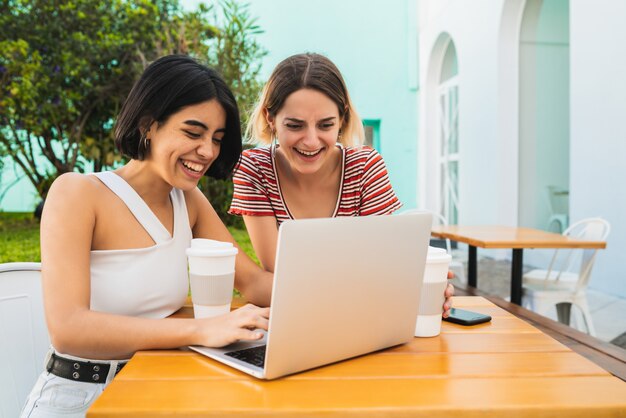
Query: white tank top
(147,282)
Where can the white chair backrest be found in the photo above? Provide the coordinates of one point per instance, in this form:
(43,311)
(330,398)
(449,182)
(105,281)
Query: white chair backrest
(558,198)
(591,229)
(24,337)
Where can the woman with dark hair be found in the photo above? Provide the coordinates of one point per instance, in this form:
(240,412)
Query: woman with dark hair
(113,243)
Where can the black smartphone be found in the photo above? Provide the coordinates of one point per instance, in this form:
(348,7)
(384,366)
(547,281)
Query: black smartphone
(463,317)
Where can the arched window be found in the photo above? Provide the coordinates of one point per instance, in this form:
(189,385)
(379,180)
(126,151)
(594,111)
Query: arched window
(448,118)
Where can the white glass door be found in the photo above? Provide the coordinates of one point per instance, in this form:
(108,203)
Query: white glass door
(448,116)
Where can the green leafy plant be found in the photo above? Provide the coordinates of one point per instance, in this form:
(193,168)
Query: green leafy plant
(66,67)
(237,55)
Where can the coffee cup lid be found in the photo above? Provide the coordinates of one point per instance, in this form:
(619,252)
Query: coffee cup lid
(209,243)
(202,247)
(436,254)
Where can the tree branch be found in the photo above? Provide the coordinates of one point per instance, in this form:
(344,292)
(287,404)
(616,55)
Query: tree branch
(20,145)
(32,176)
(47,150)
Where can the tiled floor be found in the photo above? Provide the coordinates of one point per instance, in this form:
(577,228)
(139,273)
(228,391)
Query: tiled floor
(608,312)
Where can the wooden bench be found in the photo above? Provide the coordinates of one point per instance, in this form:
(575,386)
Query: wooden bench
(606,355)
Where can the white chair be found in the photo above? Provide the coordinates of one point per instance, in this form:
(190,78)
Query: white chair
(456,265)
(566,285)
(24,337)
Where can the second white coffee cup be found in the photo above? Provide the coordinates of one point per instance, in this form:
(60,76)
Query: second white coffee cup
(432,297)
(212,276)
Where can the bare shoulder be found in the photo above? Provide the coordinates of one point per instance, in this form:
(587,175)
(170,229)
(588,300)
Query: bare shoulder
(75,194)
(198,206)
(195,199)
(75,185)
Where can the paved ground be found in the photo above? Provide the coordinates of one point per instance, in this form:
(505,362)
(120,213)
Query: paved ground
(607,311)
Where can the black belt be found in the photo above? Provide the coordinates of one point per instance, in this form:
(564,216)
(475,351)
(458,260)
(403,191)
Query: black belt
(80,371)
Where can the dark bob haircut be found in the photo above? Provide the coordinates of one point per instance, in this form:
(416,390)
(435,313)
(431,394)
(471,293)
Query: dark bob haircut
(166,86)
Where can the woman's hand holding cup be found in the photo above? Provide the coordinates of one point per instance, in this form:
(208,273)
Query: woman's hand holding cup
(449,292)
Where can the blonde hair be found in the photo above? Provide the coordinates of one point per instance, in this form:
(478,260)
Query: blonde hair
(305,71)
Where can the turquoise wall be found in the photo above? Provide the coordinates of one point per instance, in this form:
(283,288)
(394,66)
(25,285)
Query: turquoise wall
(374,44)
(17,194)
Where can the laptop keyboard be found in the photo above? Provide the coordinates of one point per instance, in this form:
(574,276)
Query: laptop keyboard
(254,355)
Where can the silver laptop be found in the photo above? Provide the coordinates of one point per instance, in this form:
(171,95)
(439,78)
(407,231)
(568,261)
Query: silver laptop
(343,287)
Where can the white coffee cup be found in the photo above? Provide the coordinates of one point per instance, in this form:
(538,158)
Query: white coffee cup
(212,276)
(432,297)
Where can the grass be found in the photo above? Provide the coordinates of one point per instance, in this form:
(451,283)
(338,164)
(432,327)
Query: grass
(243,239)
(19,238)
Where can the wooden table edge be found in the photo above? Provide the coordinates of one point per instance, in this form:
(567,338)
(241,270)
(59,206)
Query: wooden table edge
(503,244)
(606,355)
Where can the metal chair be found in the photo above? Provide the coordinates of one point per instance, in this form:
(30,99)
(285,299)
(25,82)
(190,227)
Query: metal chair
(566,285)
(456,265)
(24,337)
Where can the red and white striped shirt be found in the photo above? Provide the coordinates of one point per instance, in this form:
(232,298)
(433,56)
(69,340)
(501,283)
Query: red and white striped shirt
(365,188)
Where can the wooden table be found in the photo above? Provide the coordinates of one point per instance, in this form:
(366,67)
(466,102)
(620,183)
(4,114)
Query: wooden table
(506,368)
(507,237)
(610,357)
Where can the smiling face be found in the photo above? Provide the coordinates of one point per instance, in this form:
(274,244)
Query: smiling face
(182,149)
(307,127)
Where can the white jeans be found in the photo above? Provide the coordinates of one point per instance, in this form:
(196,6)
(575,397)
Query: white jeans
(54,396)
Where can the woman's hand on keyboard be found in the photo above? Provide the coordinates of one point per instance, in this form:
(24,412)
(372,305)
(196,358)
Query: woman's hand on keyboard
(240,324)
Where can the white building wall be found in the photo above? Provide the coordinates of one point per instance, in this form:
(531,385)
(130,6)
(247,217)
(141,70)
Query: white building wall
(543,109)
(473,27)
(486,34)
(374,45)
(598,131)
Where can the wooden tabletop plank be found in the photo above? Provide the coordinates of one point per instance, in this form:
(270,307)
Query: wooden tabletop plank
(608,356)
(581,396)
(190,365)
(482,343)
(510,237)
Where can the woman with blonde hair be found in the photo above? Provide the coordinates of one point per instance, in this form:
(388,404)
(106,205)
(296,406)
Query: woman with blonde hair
(313,164)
